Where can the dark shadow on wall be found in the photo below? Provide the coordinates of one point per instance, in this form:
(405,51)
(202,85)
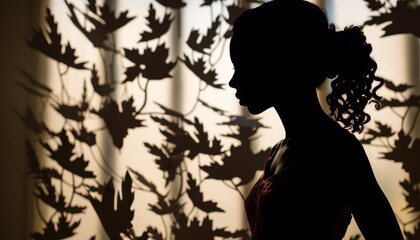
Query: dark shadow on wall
(16,19)
(185,137)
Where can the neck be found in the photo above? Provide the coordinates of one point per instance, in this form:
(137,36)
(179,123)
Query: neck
(307,119)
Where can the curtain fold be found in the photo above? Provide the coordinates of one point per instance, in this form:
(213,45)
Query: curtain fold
(121,125)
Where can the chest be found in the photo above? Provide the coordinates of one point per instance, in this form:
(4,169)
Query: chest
(290,154)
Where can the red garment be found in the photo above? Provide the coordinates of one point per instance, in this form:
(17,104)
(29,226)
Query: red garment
(303,201)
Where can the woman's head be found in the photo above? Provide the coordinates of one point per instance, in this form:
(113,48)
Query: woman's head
(277,46)
(284,48)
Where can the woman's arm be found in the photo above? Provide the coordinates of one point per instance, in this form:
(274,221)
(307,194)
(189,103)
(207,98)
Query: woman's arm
(370,207)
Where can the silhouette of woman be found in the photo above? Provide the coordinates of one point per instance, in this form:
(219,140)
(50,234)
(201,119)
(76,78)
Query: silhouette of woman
(318,177)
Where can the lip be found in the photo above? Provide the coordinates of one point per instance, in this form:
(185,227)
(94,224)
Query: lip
(238,96)
(240,100)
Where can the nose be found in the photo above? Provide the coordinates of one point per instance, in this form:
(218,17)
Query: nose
(232,81)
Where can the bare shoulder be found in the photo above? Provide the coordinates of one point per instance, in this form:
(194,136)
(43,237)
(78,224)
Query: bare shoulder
(346,144)
(349,152)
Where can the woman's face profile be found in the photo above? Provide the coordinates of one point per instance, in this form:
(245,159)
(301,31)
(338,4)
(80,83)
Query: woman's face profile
(256,78)
(251,89)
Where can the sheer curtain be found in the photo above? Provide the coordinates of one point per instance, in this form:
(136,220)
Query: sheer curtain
(16,19)
(127,115)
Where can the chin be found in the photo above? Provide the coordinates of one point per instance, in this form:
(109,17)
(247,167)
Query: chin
(256,110)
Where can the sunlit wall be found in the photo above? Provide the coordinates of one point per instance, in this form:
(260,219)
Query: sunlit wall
(181,94)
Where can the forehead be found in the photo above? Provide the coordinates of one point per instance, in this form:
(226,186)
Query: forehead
(238,48)
(236,43)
